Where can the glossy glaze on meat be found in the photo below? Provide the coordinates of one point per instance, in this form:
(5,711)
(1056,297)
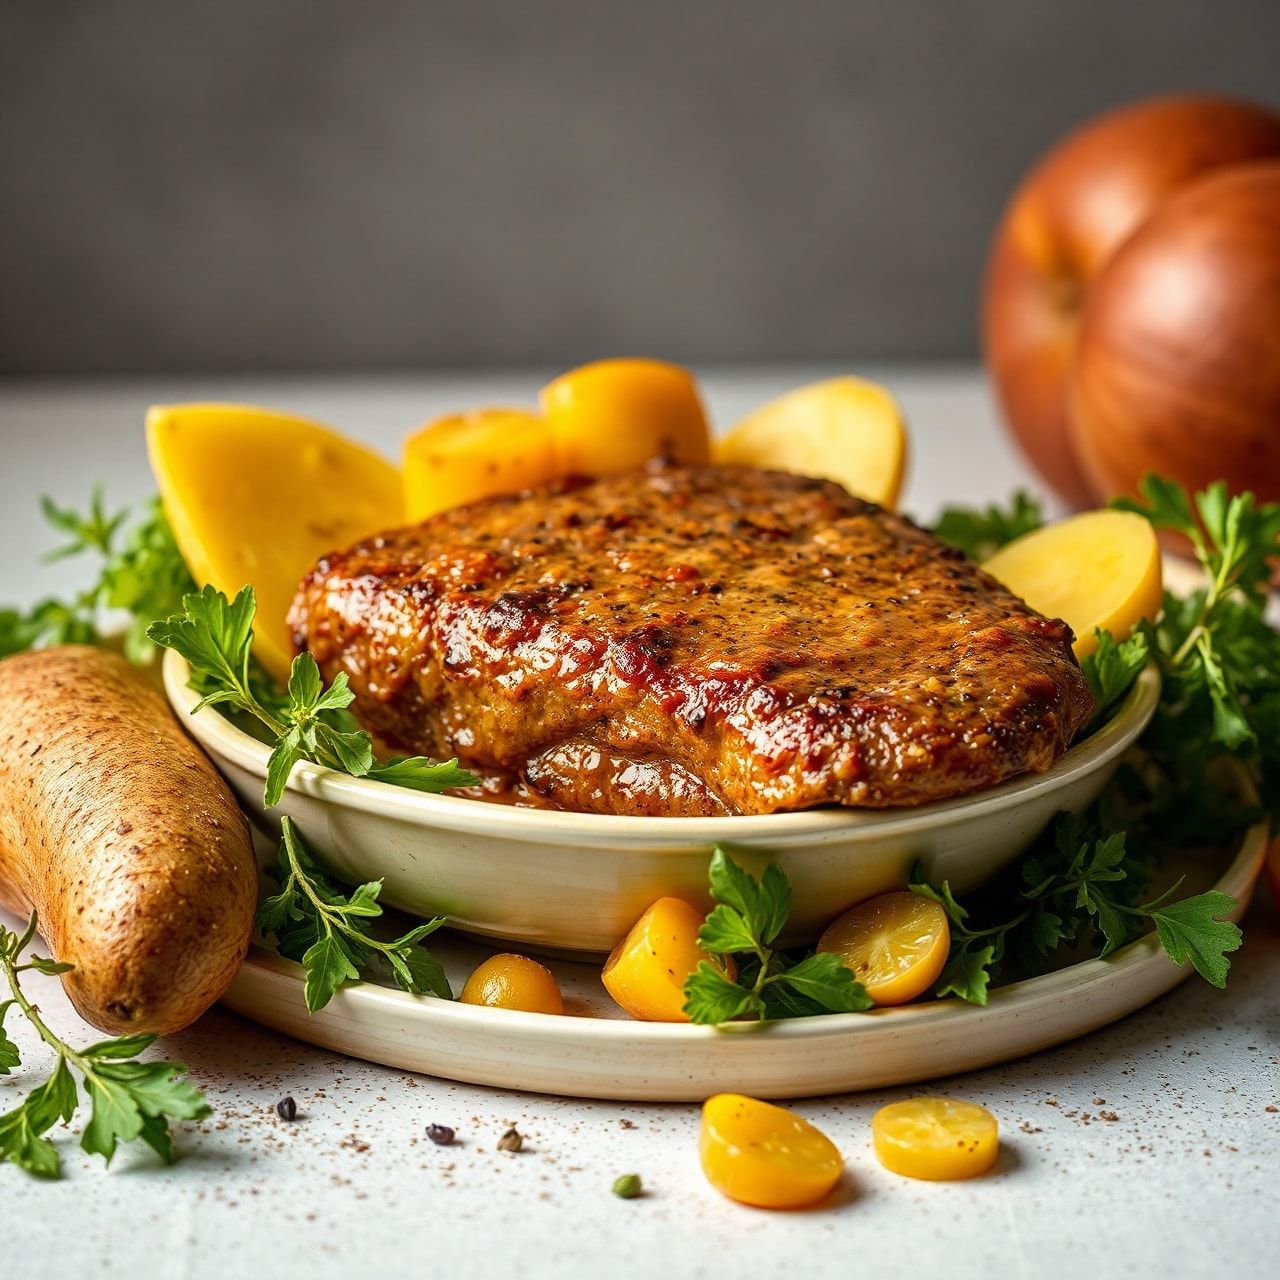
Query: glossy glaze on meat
(695,641)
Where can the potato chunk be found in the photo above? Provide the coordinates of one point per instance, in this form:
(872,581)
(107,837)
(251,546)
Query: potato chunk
(1100,570)
(256,497)
(614,415)
(847,430)
(468,456)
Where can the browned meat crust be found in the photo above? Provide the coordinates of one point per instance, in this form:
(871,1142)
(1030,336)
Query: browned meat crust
(695,640)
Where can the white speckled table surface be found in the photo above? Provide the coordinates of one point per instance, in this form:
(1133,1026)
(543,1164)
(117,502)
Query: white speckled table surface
(1150,1148)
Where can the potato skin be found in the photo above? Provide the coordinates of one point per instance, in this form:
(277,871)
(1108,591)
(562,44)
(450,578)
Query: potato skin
(120,833)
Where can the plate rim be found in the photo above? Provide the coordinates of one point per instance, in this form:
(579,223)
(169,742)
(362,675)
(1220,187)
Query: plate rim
(1238,880)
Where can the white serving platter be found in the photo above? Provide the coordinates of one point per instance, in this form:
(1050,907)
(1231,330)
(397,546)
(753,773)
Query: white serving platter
(578,881)
(594,1051)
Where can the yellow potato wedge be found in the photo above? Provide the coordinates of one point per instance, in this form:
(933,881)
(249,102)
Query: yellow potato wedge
(614,415)
(467,456)
(846,429)
(257,497)
(1099,570)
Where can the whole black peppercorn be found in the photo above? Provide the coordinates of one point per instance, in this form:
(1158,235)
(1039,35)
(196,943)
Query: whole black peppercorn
(287,1109)
(440,1134)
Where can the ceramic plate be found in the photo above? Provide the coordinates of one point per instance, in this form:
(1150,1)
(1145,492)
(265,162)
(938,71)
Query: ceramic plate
(578,881)
(597,1052)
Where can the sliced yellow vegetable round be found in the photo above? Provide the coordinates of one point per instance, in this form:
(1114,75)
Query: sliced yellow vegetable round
(896,945)
(1098,570)
(513,982)
(256,497)
(647,970)
(614,415)
(763,1155)
(468,456)
(937,1139)
(846,429)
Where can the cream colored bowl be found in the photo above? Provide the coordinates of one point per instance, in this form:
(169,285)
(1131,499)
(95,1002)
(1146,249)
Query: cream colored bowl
(578,881)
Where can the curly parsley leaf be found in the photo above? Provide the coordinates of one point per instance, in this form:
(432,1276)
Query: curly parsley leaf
(1111,669)
(1077,881)
(1191,930)
(979,533)
(9,1055)
(1217,654)
(763,982)
(145,577)
(309,722)
(325,931)
(129,1100)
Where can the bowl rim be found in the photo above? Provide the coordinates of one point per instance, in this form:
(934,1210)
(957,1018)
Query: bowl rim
(226,741)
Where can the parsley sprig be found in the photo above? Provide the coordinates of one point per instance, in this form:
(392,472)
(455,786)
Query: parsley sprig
(1218,720)
(144,575)
(328,933)
(129,1100)
(1080,886)
(980,533)
(215,636)
(1215,648)
(768,983)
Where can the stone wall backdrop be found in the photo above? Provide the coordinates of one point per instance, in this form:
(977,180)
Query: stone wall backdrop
(366,184)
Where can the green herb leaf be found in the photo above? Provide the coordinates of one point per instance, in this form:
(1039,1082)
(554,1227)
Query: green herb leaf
(981,533)
(1111,669)
(10,1057)
(130,1099)
(308,723)
(824,980)
(126,1095)
(967,974)
(1191,930)
(419,774)
(711,997)
(146,578)
(724,931)
(325,931)
(747,919)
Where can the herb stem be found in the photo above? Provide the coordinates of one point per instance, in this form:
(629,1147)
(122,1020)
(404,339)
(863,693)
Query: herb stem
(31,1011)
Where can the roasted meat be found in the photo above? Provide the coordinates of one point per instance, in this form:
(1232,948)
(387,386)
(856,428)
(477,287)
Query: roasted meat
(694,641)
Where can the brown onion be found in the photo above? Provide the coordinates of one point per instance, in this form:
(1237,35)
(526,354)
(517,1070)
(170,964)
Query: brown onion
(1062,226)
(1177,369)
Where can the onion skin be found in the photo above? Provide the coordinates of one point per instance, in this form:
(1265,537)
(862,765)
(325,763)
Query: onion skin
(1066,219)
(1178,364)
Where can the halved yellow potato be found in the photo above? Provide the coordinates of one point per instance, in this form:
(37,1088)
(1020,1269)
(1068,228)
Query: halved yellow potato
(846,429)
(895,944)
(1098,570)
(467,456)
(614,415)
(256,497)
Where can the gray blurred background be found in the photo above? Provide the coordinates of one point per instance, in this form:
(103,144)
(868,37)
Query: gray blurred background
(287,185)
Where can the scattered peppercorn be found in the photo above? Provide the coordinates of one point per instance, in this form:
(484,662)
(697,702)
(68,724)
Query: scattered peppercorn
(510,1141)
(440,1134)
(628,1187)
(287,1109)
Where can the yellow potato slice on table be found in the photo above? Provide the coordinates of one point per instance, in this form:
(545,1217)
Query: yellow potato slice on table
(765,1156)
(1099,570)
(936,1139)
(256,497)
(895,944)
(467,456)
(846,429)
(614,415)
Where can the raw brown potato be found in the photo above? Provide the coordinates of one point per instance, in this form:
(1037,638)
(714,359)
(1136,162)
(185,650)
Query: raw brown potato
(124,839)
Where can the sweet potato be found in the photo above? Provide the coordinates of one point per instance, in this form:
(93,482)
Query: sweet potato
(121,834)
